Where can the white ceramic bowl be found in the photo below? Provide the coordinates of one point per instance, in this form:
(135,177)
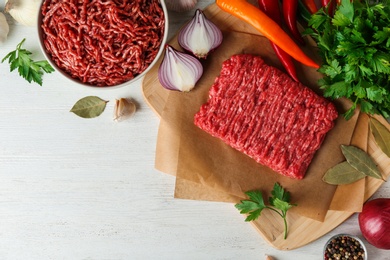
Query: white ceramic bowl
(79,82)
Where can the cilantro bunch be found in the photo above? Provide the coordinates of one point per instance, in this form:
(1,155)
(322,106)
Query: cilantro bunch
(354,45)
(279,203)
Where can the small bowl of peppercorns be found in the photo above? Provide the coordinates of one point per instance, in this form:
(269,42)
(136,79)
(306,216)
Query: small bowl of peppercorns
(343,246)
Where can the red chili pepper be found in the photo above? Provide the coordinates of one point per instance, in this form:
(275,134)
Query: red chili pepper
(271,8)
(310,5)
(330,5)
(290,8)
(286,61)
(249,13)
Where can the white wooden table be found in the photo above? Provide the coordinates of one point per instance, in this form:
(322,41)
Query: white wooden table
(72,188)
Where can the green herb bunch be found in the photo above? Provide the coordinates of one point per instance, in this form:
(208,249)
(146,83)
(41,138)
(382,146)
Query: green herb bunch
(354,45)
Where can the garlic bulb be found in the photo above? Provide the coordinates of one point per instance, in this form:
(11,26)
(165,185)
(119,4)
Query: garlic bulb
(180,5)
(24,11)
(124,108)
(4,28)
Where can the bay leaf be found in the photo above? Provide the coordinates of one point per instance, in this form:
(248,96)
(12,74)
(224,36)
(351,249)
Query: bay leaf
(361,161)
(89,107)
(342,173)
(381,135)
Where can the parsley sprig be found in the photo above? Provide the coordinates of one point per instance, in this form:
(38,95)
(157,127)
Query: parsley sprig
(27,68)
(279,203)
(354,45)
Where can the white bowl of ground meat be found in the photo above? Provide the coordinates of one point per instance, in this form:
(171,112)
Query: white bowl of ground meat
(102,43)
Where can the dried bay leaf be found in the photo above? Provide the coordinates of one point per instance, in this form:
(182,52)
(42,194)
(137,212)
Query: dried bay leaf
(381,135)
(342,173)
(361,161)
(89,107)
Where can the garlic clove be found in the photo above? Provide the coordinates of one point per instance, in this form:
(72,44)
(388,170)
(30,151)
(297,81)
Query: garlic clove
(24,12)
(180,5)
(4,28)
(179,71)
(200,35)
(124,109)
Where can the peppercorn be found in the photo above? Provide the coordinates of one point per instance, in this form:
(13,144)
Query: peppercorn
(344,247)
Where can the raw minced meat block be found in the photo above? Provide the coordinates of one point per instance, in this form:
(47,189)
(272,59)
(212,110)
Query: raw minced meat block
(262,112)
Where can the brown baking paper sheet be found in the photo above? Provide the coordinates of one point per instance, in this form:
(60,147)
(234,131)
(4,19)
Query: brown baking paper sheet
(206,161)
(185,189)
(350,197)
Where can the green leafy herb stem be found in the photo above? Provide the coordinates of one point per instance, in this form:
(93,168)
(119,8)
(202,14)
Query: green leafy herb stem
(279,203)
(354,45)
(28,69)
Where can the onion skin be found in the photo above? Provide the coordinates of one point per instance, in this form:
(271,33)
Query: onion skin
(200,36)
(179,71)
(374,222)
(180,5)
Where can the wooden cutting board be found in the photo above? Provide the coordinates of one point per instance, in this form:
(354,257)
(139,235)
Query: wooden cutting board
(302,230)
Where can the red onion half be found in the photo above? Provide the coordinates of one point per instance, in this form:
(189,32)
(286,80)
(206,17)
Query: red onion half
(374,222)
(179,71)
(200,35)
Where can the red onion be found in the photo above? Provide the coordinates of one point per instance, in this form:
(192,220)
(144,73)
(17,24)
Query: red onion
(178,70)
(200,36)
(180,5)
(374,222)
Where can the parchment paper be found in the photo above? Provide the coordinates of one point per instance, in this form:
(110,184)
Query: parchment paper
(204,160)
(350,197)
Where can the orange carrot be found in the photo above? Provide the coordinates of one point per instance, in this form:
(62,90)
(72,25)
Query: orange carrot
(266,26)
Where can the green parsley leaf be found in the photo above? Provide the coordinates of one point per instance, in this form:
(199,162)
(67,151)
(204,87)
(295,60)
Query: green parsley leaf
(282,205)
(279,193)
(332,70)
(340,19)
(337,90)
(27,68)
(354,45)
(349,113)
(254,206)
(346,9)
(366,106)
(382,37)
(256,197)
(317,20)
(279,203)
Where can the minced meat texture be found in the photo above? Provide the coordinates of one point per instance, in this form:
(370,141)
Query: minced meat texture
(262,112)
